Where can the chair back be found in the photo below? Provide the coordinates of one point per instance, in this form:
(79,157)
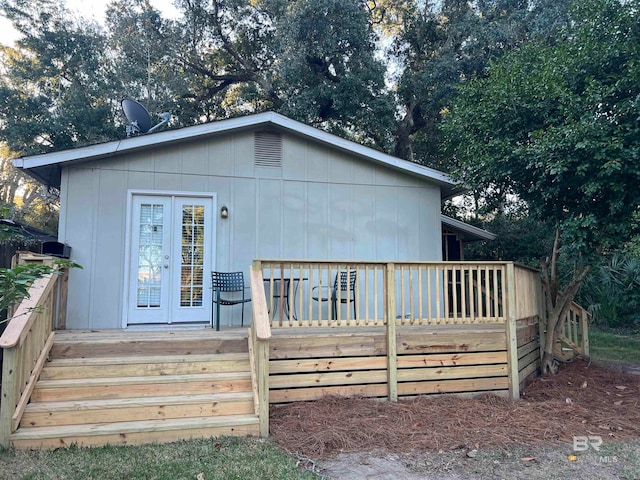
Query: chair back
(227,281)
(346,278)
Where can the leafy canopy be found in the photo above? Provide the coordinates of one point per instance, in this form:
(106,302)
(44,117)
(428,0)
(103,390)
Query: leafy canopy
(558,125)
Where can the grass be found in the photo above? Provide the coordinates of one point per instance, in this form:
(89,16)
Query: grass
(228,458)
(611,346)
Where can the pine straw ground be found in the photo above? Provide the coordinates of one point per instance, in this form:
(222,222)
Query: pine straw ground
(580,400)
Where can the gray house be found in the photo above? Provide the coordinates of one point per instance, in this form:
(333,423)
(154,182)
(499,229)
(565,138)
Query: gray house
(150,217)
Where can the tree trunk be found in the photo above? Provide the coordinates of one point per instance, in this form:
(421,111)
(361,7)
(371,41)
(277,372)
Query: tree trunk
(558,303)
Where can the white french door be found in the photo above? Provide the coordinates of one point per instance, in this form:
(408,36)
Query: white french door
(170,260)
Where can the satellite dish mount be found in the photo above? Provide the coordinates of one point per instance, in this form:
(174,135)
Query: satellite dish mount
(140,119)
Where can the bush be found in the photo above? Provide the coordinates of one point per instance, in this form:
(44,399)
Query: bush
(15,282)
(611,293)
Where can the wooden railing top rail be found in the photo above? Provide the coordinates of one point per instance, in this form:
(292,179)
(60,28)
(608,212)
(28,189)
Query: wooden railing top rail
(271,261)
(23,318)
(259,301)
(525,267)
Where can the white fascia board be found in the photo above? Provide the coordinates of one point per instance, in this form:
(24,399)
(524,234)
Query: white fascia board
(102,150)
(465,227)
(360,150)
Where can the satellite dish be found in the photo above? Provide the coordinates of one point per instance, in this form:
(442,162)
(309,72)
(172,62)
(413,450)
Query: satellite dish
(140,119)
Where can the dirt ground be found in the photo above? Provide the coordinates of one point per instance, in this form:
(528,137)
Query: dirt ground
(446,437)
(618,461)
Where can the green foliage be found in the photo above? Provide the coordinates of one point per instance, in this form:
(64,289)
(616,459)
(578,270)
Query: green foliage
(557,125)
(53,88)
(522,239)
(227,51)
(612,293)
(444,44)
(329,73)
(143,47)
(15,282)
(381,73)
(311,60)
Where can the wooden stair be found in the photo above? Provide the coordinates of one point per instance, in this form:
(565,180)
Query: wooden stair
(121,389)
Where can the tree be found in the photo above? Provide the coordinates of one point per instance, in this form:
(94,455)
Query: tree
(228,54)
(311,60)
(441,45)
(557,126)
(52,85)
(329,73)
(143,47)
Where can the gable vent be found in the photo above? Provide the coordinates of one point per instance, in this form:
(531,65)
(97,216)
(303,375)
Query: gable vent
(268,150)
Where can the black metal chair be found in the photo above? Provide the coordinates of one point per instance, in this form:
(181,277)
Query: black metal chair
(347,292)
(227,282)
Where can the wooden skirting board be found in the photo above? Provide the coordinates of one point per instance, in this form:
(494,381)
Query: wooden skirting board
(528,353)
(306,367)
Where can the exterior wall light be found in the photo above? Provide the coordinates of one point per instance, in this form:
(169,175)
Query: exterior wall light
(224,212)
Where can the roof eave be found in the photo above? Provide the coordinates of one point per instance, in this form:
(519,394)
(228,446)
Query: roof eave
(36,165)
(474,232)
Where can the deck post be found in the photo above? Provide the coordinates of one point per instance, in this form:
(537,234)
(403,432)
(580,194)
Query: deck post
(262,357)
(9,397)
(584,329)
(260,335)
(60,318)
(512,336)
(392,364)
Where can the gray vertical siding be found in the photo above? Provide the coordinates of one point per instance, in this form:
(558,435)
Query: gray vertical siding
(322,204)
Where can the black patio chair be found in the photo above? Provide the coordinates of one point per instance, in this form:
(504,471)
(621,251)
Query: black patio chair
(347,292)
(230,283)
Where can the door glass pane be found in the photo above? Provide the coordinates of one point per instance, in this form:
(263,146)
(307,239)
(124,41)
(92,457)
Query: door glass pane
(191,274)
(150,256)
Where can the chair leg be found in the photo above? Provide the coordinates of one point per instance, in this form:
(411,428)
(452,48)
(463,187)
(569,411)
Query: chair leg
(242,316)
(218,315)
(334,313)
(353,299)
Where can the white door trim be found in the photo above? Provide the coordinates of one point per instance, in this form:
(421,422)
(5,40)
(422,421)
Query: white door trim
(128,239)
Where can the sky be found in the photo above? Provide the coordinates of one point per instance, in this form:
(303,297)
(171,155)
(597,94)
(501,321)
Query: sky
(87,9)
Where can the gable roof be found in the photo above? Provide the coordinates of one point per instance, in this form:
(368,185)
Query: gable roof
(46,167)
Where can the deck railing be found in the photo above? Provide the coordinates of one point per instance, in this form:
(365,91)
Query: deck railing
(26,343)
(309,294)
(574,332)
(259,335)
(395,296)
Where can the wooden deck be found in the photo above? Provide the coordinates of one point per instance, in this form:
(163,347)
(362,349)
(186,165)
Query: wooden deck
(119,387)
(416,329)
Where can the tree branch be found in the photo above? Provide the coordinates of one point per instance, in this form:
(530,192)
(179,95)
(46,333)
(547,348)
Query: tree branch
(554,265)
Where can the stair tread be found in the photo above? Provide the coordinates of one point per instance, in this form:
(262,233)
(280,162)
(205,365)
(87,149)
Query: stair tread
(94,429)
(102,381)
(84,405)
(68,337)
(142,359)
